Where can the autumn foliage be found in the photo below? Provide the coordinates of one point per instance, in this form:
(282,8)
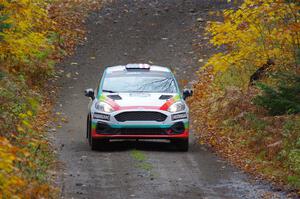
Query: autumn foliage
(34,35)
(27,37)
(257,33)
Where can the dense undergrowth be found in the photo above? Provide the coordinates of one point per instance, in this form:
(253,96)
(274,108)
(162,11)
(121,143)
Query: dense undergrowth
(247,101)
(34,35)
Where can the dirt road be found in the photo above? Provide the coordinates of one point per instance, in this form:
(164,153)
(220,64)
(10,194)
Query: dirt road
(148,31)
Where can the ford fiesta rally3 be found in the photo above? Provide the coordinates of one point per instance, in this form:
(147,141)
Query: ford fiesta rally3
(138,101)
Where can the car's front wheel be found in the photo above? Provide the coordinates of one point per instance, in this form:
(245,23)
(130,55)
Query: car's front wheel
(181,144)
(88,126)
(92,142)
(95,144)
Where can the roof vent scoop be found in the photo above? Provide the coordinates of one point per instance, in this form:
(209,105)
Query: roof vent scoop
(165,97)
(115,97)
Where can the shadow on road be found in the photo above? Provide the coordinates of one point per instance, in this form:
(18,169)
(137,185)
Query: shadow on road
(120,145)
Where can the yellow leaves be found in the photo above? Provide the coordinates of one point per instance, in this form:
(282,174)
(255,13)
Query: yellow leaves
(19,167)
(218,62)
(22,115)
(8,172)
(29,113)
(259,30)
(25,121)
(6,155)
(20,129)
(23,46)
(27,35)
(27,45)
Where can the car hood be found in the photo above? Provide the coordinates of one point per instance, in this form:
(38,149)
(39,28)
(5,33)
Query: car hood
(141,100)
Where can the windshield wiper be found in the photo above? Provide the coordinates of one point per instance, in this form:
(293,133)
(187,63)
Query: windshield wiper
(108,91)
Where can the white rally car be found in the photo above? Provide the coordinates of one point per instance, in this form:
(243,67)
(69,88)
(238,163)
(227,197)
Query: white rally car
(138,101)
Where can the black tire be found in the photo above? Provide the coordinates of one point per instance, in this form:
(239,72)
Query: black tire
(88,126)
(92,142)
(182,144)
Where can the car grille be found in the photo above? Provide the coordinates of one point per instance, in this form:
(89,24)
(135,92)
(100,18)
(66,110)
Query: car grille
(141,116)
(141,131)
(104,128)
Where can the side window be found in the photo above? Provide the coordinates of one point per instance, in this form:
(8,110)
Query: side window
(99,83)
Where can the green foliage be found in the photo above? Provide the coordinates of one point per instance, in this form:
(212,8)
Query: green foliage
(13,92)
(246,39)
(25,29)
(291,145)
(294,159)
(27,156)
(293,1)
(2,24)
(298,56)
(289,127)
(256,123)
(34,34)
(294,180)
(283,99)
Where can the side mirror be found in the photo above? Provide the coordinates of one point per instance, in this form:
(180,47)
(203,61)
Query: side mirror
(187,93)
(89,93)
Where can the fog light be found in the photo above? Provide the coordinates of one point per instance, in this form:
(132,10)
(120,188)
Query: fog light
(179,116)
(101,116)
(177,128)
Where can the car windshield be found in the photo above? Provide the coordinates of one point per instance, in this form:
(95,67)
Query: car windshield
(153,82)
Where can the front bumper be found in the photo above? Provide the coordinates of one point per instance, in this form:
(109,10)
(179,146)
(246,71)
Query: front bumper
(167,129)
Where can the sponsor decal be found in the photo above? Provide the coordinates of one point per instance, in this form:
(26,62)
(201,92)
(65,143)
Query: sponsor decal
(139,107)
(111,102)
(117,107)
(101,116)
(168,103)
(179,116)
(186,126)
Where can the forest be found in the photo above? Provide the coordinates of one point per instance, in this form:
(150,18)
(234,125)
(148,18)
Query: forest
(245,107)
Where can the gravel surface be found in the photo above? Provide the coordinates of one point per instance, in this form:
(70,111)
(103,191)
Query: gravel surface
(143,31)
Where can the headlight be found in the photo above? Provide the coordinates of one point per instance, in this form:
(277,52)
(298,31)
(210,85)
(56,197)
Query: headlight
(176,107)
(103,107)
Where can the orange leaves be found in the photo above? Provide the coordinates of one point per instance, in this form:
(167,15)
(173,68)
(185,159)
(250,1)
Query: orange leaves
(221,107)
(33,34)
(69,16)
(25,158)
(7,155)
(9,178)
